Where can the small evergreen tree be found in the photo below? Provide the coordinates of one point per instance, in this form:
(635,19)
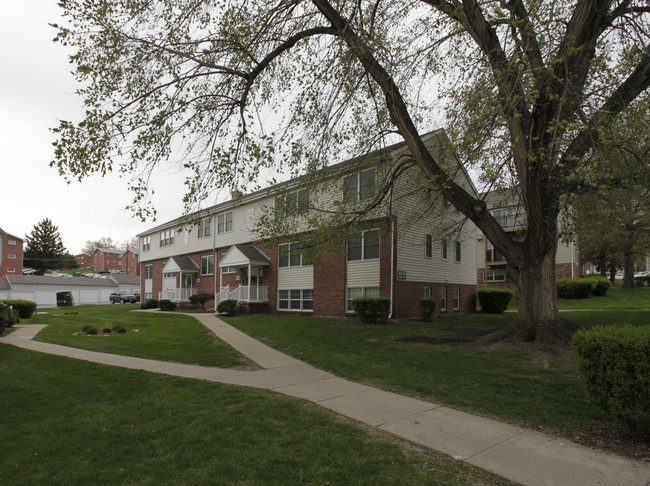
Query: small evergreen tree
(44,247)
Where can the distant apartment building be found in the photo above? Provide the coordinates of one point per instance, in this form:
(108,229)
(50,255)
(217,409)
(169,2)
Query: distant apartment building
(11,254)
(107,259)
(84,261)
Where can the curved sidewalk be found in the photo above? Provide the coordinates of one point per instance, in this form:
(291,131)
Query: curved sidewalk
(515,453)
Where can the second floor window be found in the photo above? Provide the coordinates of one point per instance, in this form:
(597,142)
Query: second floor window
(428,245)
(364,246)
(166,238)
(292,204)
(148,272)
(204,227)
(289,255)
(457,253)
(505,217)
(444,248)
(207,265)
(146,243)
(224,222)
(359,187)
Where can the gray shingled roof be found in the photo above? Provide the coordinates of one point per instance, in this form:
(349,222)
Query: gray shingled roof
(4,284)
(121,278)
(252,253)
(60,281)
(186,264)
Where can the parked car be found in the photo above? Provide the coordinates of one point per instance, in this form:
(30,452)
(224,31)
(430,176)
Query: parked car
(29,271)
(123,297)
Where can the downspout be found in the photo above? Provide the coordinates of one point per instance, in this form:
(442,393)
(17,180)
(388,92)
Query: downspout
(392,264)
(572,261)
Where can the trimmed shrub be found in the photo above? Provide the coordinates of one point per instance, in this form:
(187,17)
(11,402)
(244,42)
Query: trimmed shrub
(25,308)
(201,299)
(149,304)
(372,310)
(642,281)
(89,330)
(229,307)
(14,318)
(494,300)
(614,364)
(166,305)
(600,285)
(119,330)
(574,288)
(427,308)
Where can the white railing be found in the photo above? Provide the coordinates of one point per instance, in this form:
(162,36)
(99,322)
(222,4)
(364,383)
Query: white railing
(244,294)
(176,295)
(221,296)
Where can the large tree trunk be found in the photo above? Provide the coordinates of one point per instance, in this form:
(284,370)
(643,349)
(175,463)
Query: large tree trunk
(628,268)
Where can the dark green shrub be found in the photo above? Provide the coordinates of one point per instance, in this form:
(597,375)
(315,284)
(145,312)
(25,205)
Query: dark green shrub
(25,308)
(14,318)
(89,330)
(4,318)
(578,288)
(119,330)
(149,304)
(494,300)
(107,330)
(166,305)
(427,308)
(600,285)
(228,307)
(642,281)
(201,299)
(614,364)
(372,310)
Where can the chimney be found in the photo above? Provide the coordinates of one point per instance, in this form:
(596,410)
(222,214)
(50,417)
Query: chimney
(236,193)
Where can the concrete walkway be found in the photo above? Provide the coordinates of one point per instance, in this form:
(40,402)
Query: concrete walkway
(518,454)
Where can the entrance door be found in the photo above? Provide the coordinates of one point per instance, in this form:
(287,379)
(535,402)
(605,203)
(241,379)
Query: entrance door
(188,285)
(256,281)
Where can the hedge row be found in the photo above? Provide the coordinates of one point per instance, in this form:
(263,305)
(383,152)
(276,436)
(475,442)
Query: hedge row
(583,287)
(614,364)
(372,310)
(642,281)
(494,300)
(25,308)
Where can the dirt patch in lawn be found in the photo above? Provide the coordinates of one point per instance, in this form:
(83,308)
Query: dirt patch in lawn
(610,437)
(450,335)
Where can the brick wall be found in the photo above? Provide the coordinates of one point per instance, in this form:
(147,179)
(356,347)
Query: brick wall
(406,297)
(16,250)
(329,284)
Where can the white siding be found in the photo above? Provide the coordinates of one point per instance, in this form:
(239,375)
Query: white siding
(296,278)
(362,273)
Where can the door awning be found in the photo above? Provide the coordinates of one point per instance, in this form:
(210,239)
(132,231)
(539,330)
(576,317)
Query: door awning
(242,256)
(180,264)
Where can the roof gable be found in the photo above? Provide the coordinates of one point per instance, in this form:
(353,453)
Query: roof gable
(242,255)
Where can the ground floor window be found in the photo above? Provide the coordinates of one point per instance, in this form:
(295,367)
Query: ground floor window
(296,299)
(456,298)
(496,273)
(427,292)
(443,298)
(148,272)
(148,296)
(354,292)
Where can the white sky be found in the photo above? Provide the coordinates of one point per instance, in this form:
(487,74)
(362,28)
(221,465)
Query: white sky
(36,90)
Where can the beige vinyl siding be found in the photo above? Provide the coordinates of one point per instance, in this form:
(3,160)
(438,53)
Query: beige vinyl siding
(296,278)
(363,273)
(563,254)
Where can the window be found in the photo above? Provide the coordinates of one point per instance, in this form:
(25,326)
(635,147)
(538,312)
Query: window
(289,255)
(148,272)
(354,292)
(166,238)
(443,298)
(427,292)
(204,227)
(11,256)
(296,299)
(496,273)
(364,246)
(169,275)
(505,217)
(457,254)
(146,243)
(207,265)
(359,187)
(293,204)
(11,242)
(11,270)
(428,245)
(456,298)
(228,270)
(444,248)
(224,222)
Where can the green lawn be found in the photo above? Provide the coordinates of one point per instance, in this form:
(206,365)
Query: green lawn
(167,337)
(69,422)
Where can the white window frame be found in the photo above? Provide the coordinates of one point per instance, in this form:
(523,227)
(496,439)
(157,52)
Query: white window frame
(364,247)
(428,245)
(226,270)
(456,298)
(491,274)
(11,270)
(11,256)
(209,259)
(204,228)
(444,249)
(146,243)
(443,298)
(148,269)
(167,238)
(12,242)
(426,292)
(293,296)
(352,186)
(362,291)
(222,222)
(292,248)
(293,203)
(458,254)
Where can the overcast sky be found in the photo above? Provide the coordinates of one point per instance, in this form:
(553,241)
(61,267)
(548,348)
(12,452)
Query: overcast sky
(36,90)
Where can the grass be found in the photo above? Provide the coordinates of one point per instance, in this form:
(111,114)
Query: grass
(68,422)
(166,337)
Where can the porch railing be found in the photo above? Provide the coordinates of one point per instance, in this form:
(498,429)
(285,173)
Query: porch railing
(244,294)
(176,295)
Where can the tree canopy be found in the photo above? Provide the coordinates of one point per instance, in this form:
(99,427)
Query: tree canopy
(238,88)
(44,249)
